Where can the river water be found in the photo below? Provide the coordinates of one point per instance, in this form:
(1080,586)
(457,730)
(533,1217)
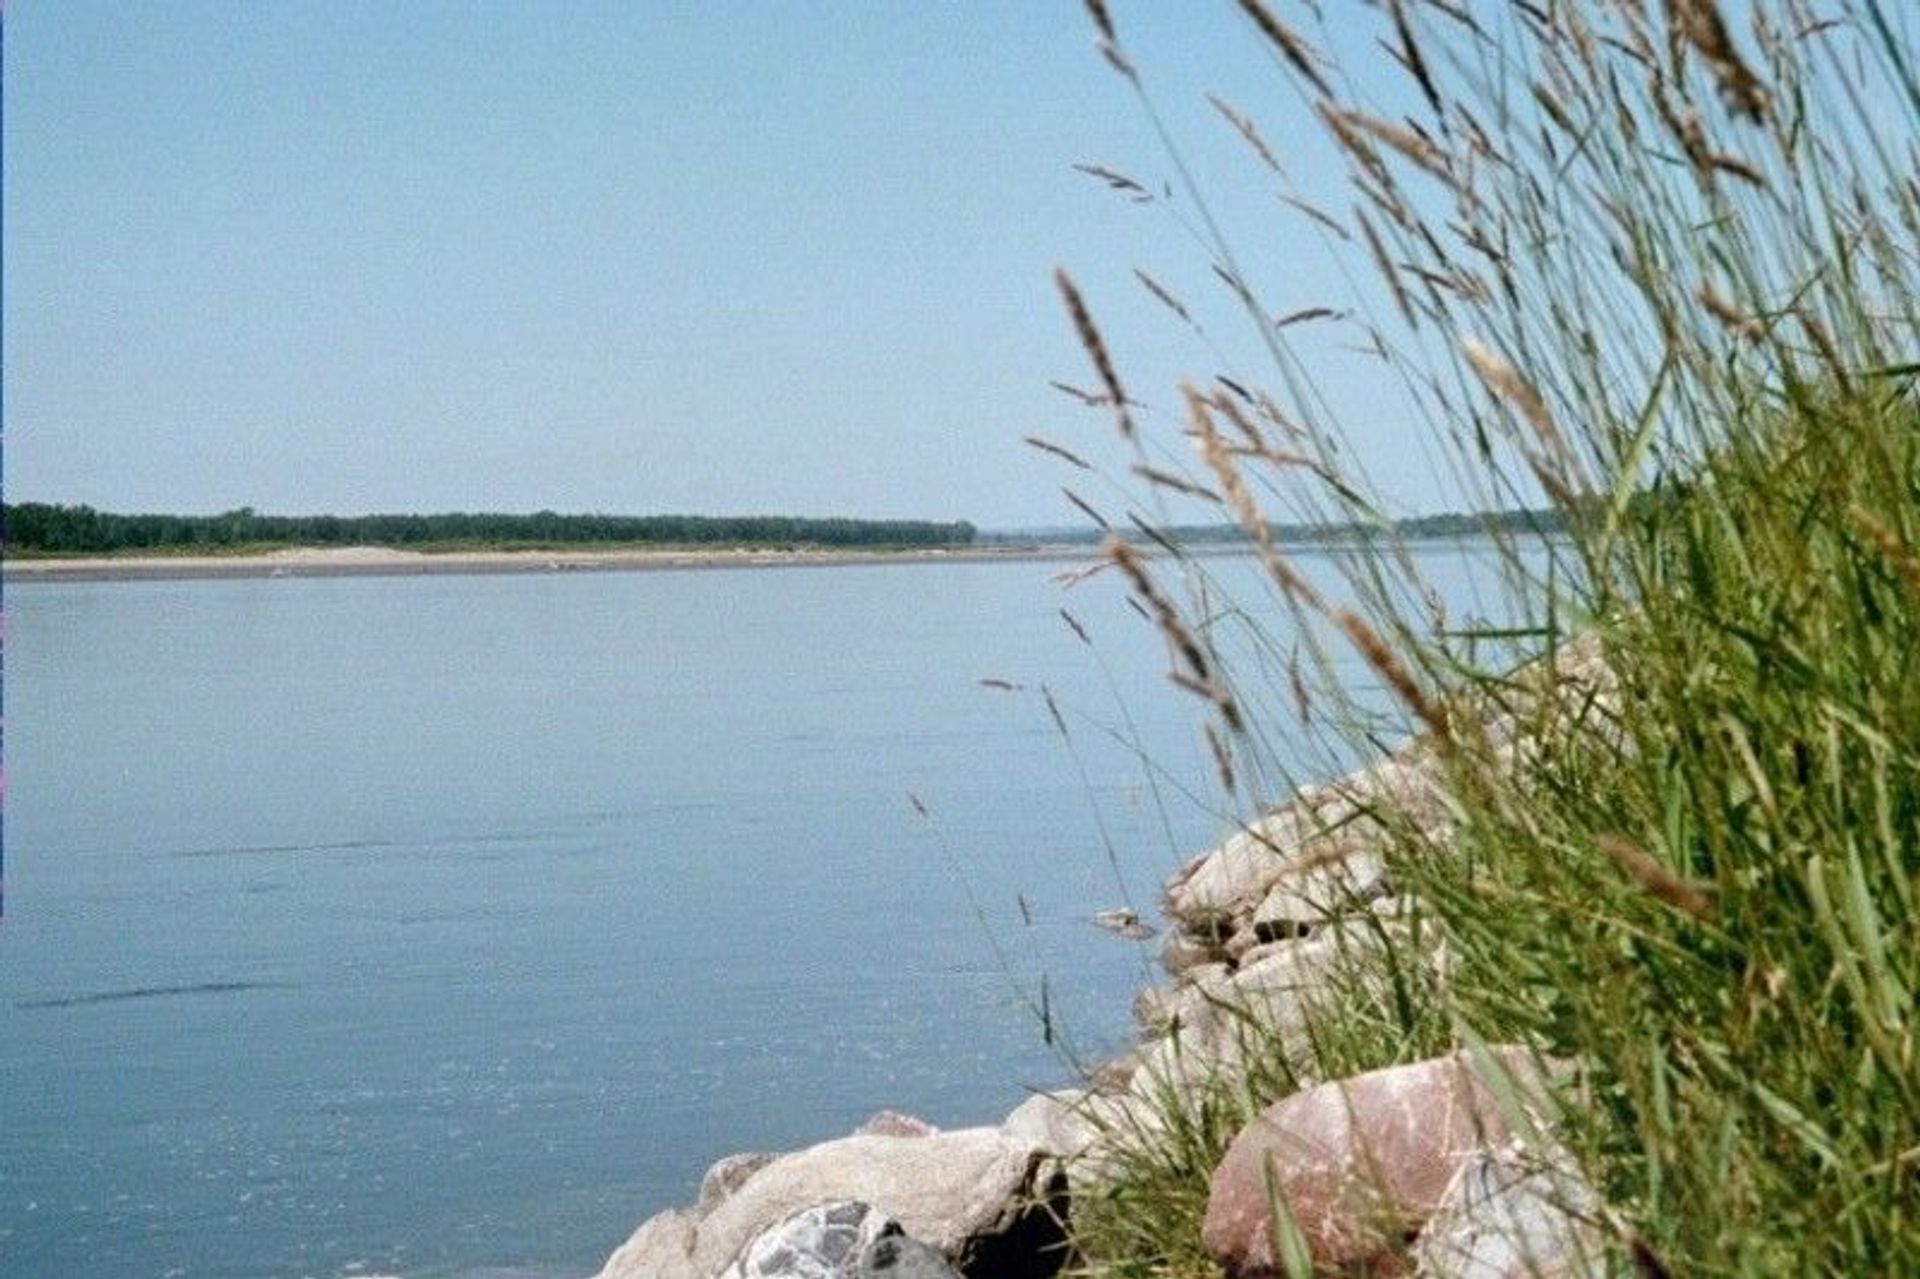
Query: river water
(453,925)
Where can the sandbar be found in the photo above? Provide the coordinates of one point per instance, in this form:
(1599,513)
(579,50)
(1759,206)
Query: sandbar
(383,561)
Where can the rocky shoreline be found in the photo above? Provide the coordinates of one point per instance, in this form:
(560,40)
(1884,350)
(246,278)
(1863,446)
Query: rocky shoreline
(1416,1169)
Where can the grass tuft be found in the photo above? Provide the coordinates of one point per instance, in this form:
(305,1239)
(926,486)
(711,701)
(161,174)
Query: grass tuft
(1657,271)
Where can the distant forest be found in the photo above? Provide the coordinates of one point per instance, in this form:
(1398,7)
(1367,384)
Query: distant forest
(1449,524)
(54,529)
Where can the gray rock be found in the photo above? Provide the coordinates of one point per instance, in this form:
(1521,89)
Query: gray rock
(1507,1215)
(825,1241)
(1243,940)
(1155,1007)
(899,1257)
(1124,922)
(965,1193)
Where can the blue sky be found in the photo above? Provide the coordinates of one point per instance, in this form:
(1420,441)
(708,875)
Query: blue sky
(635,257)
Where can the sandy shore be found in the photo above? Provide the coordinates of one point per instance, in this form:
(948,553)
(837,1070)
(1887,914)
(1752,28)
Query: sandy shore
(382,561)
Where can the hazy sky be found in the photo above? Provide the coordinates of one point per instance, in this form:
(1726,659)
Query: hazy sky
(635,257)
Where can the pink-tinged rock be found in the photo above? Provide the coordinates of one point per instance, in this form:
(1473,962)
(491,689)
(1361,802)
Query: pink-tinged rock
(891,1123)
(1360,1163)
(727,1176)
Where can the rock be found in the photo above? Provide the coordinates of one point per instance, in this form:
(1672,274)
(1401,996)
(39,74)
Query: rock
(662,1248)
(1243,941)
(825,1241)
(1054,1123)
(976,1196)
(1111,1077)
(1259,952)
(1120,1122)
(1181,953)
(1124,922)
(891,1123)
(1238,872)
(1303,900)
(1155,1007)
(1178,880)
(1215,1025)
(1349,815)
(1360,1163)
(1506,1215)
(1150,1007)
(899,1257)
(727,1176)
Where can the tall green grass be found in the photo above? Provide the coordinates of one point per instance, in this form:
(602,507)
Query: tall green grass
(1657,265)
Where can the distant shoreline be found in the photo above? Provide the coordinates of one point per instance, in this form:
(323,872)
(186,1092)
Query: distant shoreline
(381,561)
(386,561)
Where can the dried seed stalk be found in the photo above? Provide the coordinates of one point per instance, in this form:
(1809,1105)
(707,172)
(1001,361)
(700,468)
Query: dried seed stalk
(1164,613)
(1741,323)
(1065,455)
(1298,53)
(1500,378)
(1096,351)
(1683,895)
(1701,25)
(1897,552)
(1163,295)
(1179,484)
(1420,151)
(1367,642)
(1245,128)
(1245,510)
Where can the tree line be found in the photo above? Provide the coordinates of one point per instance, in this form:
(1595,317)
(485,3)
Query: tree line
(1446,524)
(52,528)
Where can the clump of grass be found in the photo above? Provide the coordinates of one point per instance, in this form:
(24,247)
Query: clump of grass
(1137,1214)
(1657,272)
(1713,904)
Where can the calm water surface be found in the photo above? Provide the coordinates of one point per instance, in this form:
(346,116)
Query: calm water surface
(453,925)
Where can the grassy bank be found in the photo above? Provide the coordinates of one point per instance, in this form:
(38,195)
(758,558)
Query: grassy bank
(1658,268)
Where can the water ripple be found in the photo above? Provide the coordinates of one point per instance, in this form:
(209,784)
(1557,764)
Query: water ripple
(153,992)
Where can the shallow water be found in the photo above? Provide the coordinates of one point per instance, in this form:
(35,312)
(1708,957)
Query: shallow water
(453,925)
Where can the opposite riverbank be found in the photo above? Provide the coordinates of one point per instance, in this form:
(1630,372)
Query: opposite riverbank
(382,561)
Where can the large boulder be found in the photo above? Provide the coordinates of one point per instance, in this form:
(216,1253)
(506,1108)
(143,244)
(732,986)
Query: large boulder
(978,1196)
(1358,1164)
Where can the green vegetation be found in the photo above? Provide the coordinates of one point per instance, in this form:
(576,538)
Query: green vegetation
(1542,521)
(37,528)
(1662,271)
